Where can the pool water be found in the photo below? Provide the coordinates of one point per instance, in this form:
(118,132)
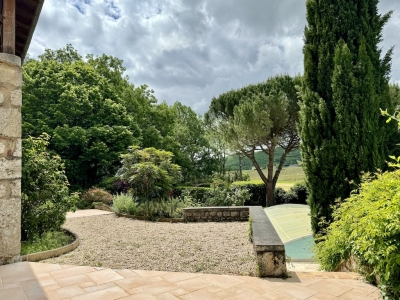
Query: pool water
(300,248)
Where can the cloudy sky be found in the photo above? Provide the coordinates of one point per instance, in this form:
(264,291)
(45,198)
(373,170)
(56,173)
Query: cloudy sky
(191,50)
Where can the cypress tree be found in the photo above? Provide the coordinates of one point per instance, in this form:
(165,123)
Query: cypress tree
(345,83)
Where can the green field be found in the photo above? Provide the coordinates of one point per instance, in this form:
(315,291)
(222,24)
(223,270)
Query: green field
(288,177)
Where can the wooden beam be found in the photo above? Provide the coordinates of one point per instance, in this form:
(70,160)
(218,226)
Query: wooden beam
(9,26)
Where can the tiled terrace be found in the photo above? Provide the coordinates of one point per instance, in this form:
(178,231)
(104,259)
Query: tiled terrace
(36,281)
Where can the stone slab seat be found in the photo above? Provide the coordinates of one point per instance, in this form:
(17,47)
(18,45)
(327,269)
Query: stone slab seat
(268,246)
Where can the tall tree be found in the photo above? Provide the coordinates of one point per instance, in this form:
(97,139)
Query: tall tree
(260,117)
(345,83)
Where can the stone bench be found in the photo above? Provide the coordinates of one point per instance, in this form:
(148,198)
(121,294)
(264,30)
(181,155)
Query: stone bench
(268,247)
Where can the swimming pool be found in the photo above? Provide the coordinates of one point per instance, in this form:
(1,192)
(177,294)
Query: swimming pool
(300,249)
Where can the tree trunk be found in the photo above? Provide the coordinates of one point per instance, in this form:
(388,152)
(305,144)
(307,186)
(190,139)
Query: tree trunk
(270,183)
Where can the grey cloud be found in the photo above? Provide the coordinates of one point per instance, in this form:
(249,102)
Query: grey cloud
(191,51)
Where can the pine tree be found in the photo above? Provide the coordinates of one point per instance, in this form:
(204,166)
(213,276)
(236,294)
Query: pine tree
(345,83)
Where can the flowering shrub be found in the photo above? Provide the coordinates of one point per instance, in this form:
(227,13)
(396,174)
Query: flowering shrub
(97,195)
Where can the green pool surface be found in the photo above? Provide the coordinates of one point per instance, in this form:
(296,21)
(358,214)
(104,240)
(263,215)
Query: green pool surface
(293,225)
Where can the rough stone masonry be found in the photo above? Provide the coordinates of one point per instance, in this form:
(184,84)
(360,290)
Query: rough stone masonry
(10,157)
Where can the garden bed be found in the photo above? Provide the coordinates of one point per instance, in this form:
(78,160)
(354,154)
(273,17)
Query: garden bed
(119,243)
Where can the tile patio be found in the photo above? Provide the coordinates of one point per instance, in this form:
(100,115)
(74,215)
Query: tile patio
(37,281)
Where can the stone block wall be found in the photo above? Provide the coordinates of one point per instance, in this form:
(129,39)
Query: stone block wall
(216,214)
(10,157)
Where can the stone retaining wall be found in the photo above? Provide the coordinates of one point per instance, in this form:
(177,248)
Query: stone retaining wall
(216,214)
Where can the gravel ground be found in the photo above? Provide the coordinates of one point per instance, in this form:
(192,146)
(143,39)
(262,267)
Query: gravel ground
(120,243)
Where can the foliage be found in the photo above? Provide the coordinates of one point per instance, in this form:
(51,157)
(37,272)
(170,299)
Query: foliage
(196,156)
(345,83)
(257,190)
(82,109)
(45,196)
(223,196)
(48,241)
(97,195)
(301,193)
(367,227)
(196,192)
(260,117)
(125,203)
(280,195)
(150,172)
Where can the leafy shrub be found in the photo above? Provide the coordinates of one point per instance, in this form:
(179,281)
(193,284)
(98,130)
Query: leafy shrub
(97,195)
(280,195)
(125,203)
(150,172)
(300,192)
(107,184)
(196,192)
(222,196)
(257,190)
(121,186)
(45,198)
(366,226)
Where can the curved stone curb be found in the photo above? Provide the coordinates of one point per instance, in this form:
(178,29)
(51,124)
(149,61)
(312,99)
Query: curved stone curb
(167,220)
(55,252)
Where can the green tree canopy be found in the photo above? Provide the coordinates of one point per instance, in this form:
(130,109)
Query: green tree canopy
(260,117)
(345,84)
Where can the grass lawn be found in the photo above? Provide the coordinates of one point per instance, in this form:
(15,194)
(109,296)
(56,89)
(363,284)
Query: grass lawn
(289,176)
(49,241)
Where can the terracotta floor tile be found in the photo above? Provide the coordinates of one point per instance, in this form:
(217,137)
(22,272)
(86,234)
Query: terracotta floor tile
(357,294)
(30,284)
(167,296)
(179,292)
(274,295)
(179,276)
(321,296)
(332,287)
(71,271)
(159,287)
(147,274)
(67,266)
(17,278)
(201,295)
(51,287)
(131,283)
(140,296)
(7,270)
(87,284)
(11,285)
(193,284)
(126,273)
(13,293)
(73,280)
(224,281)
(261,286)
(104,294)
(99,287)
(104,276)
(23,266)
(232,292)
(64,292)
(39,268)
(35,294)
(297,291)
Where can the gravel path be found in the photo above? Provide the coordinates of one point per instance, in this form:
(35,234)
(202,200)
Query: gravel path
(120,243)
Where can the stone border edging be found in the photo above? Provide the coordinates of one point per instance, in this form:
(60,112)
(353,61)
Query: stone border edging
(140,218)
(33,257)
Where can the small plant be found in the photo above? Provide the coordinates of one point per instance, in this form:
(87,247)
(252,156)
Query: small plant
(48,241)
(222,196)
(250,230)
(125,203)
(97,195)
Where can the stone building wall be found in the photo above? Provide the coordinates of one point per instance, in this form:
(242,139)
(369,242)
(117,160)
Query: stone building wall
(10,157)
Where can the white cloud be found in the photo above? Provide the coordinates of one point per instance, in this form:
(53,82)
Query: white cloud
(191,51)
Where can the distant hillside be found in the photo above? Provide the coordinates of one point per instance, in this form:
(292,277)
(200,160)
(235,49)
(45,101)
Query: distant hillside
(292,158)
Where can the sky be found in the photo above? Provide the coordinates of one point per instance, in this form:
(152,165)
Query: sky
(192,50)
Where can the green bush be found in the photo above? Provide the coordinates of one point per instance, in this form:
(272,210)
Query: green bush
(257,190)
(48,241)
(108,184)
(196,192)
(97,195)
(366,226)
(45,198)
(300,192)
(280,195)
(223,196)
(125,203)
